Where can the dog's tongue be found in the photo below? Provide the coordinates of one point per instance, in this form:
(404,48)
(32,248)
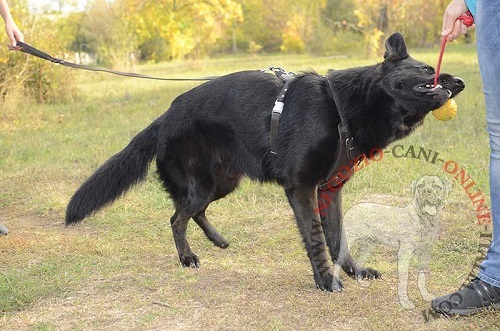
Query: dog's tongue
(430,209)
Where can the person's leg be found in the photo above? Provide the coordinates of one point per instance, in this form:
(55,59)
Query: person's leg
(484,291)
(488,49)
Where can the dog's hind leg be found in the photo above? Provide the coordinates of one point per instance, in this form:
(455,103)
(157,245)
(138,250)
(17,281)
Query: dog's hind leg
(179,225)
(333,227)
(199,192)
(225,183)
(304,204)
(210,231)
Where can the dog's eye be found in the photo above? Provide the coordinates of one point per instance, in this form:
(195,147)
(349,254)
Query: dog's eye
(427,70)
(399,86)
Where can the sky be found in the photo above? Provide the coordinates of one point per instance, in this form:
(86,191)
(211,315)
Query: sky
(38,5)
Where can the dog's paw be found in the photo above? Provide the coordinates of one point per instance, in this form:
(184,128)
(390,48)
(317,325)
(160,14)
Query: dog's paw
(220,242)
(358,272)
(329,283)
(369,273)
(190,261)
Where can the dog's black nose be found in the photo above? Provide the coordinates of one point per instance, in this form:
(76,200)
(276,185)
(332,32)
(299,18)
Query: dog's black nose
(459,81)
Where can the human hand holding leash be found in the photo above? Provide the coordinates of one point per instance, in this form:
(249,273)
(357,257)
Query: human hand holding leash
(457,20)
(13,32)
(451,32)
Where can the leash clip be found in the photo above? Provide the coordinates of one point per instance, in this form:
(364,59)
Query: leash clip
(56,61)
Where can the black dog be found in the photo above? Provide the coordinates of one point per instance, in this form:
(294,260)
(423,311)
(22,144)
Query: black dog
(218,132)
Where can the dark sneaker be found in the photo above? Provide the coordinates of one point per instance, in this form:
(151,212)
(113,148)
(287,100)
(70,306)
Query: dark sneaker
(471,299)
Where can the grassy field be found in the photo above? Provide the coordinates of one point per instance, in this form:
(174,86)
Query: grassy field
(119,269)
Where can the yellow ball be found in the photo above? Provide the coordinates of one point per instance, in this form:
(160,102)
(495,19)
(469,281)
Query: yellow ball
(447,111)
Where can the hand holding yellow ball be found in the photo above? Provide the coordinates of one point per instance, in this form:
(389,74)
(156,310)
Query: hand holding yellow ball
(447,111)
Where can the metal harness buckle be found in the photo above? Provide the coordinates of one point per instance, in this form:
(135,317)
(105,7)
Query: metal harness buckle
(349,143)
(278,107)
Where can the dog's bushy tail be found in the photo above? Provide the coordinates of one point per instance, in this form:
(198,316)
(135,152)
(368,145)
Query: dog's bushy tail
(115,176)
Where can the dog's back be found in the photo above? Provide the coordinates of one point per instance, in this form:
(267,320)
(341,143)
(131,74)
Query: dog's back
(220,126)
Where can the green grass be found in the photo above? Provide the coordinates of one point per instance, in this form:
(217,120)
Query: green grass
(118,270)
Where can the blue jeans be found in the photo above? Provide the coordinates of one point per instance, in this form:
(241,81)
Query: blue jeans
(488,49)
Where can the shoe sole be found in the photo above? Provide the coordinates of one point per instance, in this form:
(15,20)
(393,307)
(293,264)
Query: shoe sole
(467,311)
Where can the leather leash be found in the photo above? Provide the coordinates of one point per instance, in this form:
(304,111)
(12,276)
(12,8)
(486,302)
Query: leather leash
(25,48)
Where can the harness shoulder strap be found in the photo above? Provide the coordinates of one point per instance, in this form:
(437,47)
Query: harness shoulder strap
(347,153)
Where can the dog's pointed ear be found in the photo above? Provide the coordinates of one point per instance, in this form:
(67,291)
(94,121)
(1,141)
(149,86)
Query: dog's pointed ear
(395,48)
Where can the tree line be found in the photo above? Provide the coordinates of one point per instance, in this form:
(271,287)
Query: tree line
(116,32)
(159,30)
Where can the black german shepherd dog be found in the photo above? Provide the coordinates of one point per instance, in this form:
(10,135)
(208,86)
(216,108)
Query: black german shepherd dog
(218,132)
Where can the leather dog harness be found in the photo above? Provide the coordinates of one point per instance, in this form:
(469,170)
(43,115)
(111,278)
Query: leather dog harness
(347,153)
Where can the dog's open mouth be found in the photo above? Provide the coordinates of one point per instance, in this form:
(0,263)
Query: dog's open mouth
(433,88)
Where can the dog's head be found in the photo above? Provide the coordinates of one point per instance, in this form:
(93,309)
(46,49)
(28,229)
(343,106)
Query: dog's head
(411,83)
(429,192)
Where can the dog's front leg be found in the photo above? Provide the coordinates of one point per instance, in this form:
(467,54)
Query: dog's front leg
(333,228)
(330,210)
(304,204)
